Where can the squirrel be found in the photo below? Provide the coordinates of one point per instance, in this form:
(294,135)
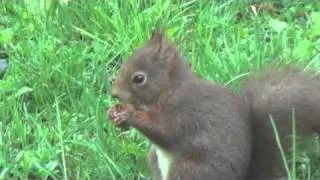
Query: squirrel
(199,129)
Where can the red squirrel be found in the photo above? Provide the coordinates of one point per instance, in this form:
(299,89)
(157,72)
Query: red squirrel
(202,130)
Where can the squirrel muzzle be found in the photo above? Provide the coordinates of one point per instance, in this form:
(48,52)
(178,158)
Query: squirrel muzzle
(119,92)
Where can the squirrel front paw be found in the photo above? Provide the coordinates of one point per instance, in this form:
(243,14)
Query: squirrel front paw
(119,114)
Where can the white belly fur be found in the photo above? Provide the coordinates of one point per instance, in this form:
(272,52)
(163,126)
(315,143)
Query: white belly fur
(164,162)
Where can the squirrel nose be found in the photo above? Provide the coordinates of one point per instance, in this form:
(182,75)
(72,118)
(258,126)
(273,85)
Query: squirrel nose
(114,95)
(114,92)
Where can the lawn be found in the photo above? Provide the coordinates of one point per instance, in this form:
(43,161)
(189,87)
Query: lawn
(62,57)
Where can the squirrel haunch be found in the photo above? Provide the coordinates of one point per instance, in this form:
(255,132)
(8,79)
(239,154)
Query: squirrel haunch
(202,130)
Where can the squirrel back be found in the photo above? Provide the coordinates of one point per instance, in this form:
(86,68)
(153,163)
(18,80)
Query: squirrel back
(288,94)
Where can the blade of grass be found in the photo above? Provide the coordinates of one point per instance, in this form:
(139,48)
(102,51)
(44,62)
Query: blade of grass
(60,134)
(278,141)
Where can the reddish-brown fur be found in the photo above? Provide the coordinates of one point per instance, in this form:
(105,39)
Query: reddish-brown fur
(206,127)
(280,93)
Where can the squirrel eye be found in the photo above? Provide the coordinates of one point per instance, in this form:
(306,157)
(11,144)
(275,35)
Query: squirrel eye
(139,78)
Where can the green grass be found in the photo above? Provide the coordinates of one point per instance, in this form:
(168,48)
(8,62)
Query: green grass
(55,93)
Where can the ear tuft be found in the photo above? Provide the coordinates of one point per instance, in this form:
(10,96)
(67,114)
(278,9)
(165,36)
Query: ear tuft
(157,36)
(160,45)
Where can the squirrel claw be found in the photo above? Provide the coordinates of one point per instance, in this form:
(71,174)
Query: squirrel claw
(119,114)
(118,121)
(120,118)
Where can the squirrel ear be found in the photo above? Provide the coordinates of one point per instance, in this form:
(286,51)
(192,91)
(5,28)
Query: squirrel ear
(157,37)
(160,45)
(158,41)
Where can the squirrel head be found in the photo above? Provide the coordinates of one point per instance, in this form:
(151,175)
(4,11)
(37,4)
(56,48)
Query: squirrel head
(153,70)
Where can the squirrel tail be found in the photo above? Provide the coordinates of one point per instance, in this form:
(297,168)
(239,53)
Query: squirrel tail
(285,95)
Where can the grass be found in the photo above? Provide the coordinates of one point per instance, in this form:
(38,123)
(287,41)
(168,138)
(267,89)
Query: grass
(61,57)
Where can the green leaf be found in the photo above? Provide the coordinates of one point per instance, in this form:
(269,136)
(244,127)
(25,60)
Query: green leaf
(315,17)
(6,36)
(23,90)
(303,49)
(277,26)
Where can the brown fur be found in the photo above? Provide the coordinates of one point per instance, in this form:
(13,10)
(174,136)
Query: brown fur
(276,92)
(204,126)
